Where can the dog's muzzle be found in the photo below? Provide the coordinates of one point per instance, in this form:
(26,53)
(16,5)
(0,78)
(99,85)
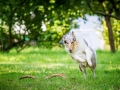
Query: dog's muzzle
(70,51)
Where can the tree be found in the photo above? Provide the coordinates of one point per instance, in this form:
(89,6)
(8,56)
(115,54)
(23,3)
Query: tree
(31,14)
(56,14)
(108,9)
(12,12)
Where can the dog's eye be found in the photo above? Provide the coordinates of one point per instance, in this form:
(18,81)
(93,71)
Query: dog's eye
(65,42)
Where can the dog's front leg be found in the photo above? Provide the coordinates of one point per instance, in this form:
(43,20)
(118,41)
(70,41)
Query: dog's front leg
(89,54)
(79,59)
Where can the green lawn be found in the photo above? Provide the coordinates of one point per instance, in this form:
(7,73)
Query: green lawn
(41,62)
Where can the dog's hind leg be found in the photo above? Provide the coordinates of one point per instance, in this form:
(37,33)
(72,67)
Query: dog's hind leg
(94,75)
(93,71)
(83,69)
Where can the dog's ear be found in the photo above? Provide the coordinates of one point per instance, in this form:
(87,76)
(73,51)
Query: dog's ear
(73,34)
(74,38)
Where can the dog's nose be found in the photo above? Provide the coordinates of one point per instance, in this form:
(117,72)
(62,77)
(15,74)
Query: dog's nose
(70,51)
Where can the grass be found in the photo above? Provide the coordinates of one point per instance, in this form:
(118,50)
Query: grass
(41,62)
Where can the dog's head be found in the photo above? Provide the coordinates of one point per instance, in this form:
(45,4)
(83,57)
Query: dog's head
(69,41)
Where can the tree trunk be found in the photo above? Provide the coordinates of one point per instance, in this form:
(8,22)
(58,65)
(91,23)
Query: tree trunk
(110,34)
(10,36)
(10,28)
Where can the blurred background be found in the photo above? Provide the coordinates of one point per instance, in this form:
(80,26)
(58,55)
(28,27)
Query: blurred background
(26,23)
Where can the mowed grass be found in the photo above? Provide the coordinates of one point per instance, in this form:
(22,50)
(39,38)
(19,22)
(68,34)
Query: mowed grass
(42,62)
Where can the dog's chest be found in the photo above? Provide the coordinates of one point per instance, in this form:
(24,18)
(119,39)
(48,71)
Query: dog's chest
(79,61)
(79,57)
(79,53)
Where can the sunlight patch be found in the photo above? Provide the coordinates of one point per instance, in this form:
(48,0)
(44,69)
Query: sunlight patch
(114,67)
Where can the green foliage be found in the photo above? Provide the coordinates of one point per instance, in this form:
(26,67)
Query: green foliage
(116,32)
(57,15)
(42,62)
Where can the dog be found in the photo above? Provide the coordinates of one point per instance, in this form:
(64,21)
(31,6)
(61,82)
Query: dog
(80,51)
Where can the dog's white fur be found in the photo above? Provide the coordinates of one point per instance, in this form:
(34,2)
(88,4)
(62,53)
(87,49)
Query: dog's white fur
(84,55)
